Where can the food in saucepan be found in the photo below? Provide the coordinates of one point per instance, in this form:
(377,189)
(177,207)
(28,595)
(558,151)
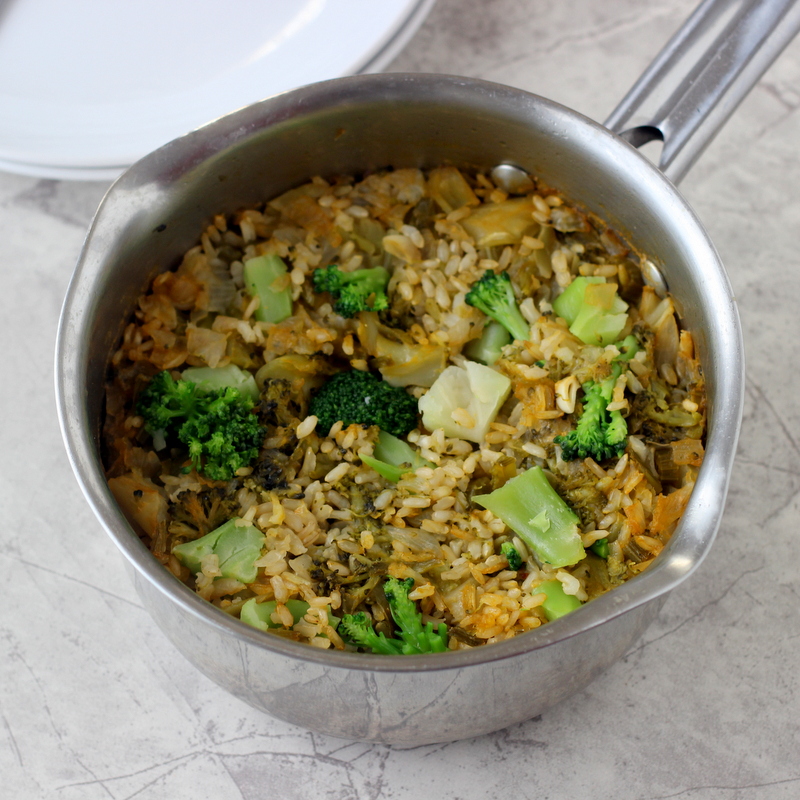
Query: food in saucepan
(405,413)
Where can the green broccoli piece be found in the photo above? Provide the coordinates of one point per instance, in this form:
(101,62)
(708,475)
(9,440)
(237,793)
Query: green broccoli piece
(360,290)
(558,603)
(392,457)
(600,433)
(512,555)
(259,615)
(600,548)
(266,278)
(164,400)
(533,509)
(362,398)
(414,637)
(208,378)
(489,347)
(594,311)
(358,630)
(494,295)
(237,547)
(218,426)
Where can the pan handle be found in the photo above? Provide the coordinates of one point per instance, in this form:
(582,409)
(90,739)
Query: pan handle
(702,74)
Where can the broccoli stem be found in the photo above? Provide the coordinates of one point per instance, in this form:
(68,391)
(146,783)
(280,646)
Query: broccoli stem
(259,615)
(210,378)
(267,278)
(392,457)
(391,472)
(558,602)
(569,302)
(478,389)
(416,637)
(236,546)
(594,311)
(489,347)
(530,506)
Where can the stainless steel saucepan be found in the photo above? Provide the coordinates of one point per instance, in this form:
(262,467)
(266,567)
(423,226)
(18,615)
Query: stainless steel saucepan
(156,210)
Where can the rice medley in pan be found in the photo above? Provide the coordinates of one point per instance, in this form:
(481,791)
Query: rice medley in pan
(504,508)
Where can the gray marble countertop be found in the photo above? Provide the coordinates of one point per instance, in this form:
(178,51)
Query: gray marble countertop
(95,703)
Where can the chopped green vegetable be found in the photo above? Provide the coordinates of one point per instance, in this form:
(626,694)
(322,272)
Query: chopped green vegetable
(489,346)
(237,547)
(600,548)
(208,378)
(600,433)
(218,426)
(395,451)
(569,302)
(259,615)
(358,629)
(392,457)
(475,389)
(362,398)
(389,471)
(413,636)
(360,290)
(267,278)
(494,295)
(558,602)
(512,555)
(530,506)
(594,311)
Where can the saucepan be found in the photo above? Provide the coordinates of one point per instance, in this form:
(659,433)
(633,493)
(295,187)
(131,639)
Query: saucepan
(155,211)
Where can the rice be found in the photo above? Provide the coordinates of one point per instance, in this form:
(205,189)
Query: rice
(333,527)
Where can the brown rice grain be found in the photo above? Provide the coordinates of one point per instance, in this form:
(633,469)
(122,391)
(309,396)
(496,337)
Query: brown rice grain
(306,427)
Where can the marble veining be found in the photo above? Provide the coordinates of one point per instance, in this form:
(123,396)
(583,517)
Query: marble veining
(95,703)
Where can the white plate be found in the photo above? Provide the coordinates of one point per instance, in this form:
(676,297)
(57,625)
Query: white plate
(89,86)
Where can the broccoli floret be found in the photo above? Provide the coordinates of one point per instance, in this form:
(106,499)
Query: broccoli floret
(361,290)
(494,295)
(600,548)
(362,398)
(165,400)
(414,637)
(512,555)
(218,426)
(358,629)
(600,433)
(594,436)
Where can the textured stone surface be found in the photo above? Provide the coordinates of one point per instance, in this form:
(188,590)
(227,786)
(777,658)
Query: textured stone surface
(95,703)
